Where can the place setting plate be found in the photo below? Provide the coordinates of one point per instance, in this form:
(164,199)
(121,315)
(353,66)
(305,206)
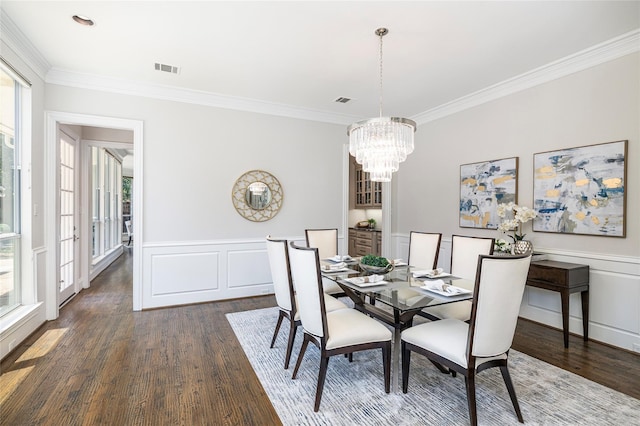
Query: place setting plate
(431,273)
(443,289)
(368,281)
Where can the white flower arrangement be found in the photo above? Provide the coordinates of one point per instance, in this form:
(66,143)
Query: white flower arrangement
(502,246)
(519,215)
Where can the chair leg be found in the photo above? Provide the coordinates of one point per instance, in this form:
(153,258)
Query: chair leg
(386,363)
(512,391)
(406,359)
(275,332)
(292,336)
(440,367)
(303,348)
(470,382)
(324,362)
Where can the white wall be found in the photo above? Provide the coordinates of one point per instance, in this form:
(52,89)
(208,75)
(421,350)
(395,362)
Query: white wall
(193,155)
(600,104)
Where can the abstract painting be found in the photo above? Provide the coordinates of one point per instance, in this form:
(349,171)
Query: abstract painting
(581,190)
(483,186)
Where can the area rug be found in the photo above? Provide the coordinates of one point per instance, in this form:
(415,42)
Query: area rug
(354,392)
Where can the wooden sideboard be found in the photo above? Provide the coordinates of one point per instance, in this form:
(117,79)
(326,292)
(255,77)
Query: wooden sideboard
(363,242)
(565,278)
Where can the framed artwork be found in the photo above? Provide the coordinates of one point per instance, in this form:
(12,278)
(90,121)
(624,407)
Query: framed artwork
(581,190)
(483,186)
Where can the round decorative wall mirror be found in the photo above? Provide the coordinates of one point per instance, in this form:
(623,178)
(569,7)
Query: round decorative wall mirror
(257,196)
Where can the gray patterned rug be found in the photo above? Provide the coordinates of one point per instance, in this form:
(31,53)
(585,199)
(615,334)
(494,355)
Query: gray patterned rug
(354,392)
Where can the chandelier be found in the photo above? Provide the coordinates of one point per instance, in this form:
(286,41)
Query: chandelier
(380,144)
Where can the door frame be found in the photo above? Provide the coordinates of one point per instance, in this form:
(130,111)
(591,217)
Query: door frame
(78,281)
(385,250)
(52,120)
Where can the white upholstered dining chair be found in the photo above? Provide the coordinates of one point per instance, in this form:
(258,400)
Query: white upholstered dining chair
(129,228)
(424,248)
(335,333)
(484,342)
(278,253)
(326,241)
(464,262)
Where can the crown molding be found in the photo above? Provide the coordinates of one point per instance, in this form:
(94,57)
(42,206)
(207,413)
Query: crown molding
(136,88)
(607,51)
(21,46)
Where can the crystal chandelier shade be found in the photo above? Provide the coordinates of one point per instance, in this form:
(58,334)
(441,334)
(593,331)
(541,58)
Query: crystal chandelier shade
(381,144)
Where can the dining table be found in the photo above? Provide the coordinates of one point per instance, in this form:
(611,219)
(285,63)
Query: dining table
(395,297)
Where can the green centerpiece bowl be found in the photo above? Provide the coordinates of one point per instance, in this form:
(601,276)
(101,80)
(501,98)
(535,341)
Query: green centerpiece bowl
(375,264)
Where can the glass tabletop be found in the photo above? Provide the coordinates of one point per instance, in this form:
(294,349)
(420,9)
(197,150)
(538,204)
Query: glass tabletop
(402,291)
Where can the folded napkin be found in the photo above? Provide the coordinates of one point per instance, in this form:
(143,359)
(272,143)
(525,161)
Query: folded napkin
(339,258)
(438,285)
(367,279)
(441,286)
(425,272)
(333,266)
(398,262)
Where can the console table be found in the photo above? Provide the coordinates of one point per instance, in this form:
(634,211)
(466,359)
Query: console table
(565,278)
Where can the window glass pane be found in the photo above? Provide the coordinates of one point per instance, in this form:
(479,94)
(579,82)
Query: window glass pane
(9,194)
(95,191)
(126,201)
(9,274)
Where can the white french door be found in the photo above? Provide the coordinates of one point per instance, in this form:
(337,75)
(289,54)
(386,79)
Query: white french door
(68,233)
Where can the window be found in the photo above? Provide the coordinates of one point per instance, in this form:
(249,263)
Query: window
(106,181)
(127,187)
(10,225)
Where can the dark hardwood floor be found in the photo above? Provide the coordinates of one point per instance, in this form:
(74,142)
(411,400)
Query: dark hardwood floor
(102,363)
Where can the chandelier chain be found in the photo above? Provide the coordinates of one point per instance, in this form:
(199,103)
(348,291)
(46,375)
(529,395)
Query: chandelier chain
(380,54)
(380,144)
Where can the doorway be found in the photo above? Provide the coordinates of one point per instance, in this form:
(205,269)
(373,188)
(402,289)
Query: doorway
(53,220)
(383,217)
(68,213)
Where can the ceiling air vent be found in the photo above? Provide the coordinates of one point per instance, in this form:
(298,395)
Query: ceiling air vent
(167,68)
(342,100)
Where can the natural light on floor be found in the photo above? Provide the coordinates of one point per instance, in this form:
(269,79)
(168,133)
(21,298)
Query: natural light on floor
(10,380)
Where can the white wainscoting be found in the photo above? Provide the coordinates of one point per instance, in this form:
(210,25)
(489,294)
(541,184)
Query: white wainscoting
(614,295)
(17,325)
(195,272)
(102,263)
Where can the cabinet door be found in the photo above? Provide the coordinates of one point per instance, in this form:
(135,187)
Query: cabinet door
(360,186)
(368,193)
(376,194)
(352,243)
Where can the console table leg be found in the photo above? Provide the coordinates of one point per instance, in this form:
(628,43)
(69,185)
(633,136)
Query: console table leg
(585,314)
(564,297)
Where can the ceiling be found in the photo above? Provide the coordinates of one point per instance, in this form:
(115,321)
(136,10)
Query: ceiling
(305,54)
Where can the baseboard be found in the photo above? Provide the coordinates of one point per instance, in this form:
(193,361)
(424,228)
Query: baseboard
(18,325)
